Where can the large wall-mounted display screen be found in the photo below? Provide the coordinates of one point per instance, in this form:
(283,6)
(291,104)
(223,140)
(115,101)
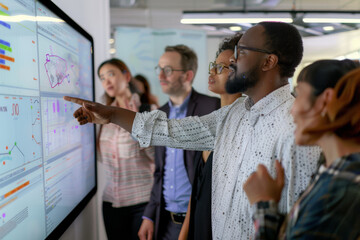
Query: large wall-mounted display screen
(47,160)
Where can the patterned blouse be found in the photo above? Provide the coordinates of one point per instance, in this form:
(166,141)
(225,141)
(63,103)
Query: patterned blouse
(328,209)
(242,135)
(128,167)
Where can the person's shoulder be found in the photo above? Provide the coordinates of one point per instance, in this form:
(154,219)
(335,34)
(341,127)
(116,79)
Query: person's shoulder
(282,118)
(164,107)
(208,98)
(344,175)
(205,100)
(350,167)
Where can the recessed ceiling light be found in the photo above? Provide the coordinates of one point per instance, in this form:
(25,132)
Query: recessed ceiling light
(328,28)
(111,40)
(235,28)
(231,20)
(331,20)
(112,51)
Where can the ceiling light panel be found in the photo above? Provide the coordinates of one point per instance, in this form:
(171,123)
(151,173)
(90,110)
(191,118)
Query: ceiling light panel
(234,18)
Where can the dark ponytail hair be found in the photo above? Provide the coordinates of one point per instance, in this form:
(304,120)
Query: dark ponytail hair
(324,74)
(343,114)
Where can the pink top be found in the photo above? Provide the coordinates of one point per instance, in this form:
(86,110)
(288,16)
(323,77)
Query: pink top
(129,168)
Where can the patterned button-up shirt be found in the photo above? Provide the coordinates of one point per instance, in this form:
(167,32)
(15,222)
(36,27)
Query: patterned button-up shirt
(242,135)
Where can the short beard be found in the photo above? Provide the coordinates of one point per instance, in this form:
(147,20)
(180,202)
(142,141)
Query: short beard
(241,82)
(178,88)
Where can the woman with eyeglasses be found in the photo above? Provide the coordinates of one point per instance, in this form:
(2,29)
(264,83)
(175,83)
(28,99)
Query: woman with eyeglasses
(327,114)
(197,224)
(128,168)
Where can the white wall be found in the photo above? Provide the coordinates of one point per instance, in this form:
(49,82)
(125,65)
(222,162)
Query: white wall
(162,19)
(328,47)
(94,17)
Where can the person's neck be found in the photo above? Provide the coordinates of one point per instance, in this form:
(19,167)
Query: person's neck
(335,147)
(178,99)
(123,99)
(265,86)
(227,99)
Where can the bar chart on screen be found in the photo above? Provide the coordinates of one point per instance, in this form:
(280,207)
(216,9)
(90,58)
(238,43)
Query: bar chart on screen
(5,46)
(61,132)
(17,213)
(18,56)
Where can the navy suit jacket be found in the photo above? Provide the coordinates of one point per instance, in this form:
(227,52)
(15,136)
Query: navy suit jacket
(198,105)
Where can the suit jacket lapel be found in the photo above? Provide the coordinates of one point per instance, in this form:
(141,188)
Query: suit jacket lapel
(192,103)
(162,150)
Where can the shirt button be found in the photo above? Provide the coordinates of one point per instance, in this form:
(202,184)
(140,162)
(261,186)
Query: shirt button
(172,169)
(171,187)
(172,151)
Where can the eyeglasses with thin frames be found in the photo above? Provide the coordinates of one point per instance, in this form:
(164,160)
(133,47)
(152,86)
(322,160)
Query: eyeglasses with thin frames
(218,68)
(250,49)
(167,70)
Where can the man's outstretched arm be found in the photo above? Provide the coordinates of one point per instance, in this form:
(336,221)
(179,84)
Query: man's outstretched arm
(92,112)
(154,128)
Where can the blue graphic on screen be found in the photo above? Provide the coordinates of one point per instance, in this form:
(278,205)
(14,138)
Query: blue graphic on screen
(47,160)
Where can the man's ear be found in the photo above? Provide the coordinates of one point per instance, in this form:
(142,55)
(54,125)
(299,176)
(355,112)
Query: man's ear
(270,62)
(189,77)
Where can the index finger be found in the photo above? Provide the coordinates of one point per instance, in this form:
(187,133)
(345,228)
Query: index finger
(76,100)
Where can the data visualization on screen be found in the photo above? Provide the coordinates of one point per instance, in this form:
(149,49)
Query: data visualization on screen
(21,141)
(47,160)
(18,48)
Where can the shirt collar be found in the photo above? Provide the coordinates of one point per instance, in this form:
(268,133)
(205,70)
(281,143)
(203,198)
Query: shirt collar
(268,103)
(183,106)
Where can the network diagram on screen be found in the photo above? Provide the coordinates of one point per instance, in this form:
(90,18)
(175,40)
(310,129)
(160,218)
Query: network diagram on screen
(46,158)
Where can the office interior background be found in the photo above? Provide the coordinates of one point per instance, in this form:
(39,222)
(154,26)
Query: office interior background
(103,19)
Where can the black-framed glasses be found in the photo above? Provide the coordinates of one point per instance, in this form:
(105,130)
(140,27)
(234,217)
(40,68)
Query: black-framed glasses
(167,70)
(216,68)
(237,48)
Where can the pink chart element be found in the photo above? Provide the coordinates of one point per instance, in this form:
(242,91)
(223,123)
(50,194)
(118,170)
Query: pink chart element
(56,68)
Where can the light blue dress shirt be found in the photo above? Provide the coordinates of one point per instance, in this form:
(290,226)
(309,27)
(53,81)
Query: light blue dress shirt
(177,186)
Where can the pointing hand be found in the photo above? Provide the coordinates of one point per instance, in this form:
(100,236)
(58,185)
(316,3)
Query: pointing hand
(91,112)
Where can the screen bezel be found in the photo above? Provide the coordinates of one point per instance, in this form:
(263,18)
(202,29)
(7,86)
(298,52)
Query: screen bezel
(69,219)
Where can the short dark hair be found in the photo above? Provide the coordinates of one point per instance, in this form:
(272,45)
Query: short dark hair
(284,40)
(189,60)
(229,43)
(324,74)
